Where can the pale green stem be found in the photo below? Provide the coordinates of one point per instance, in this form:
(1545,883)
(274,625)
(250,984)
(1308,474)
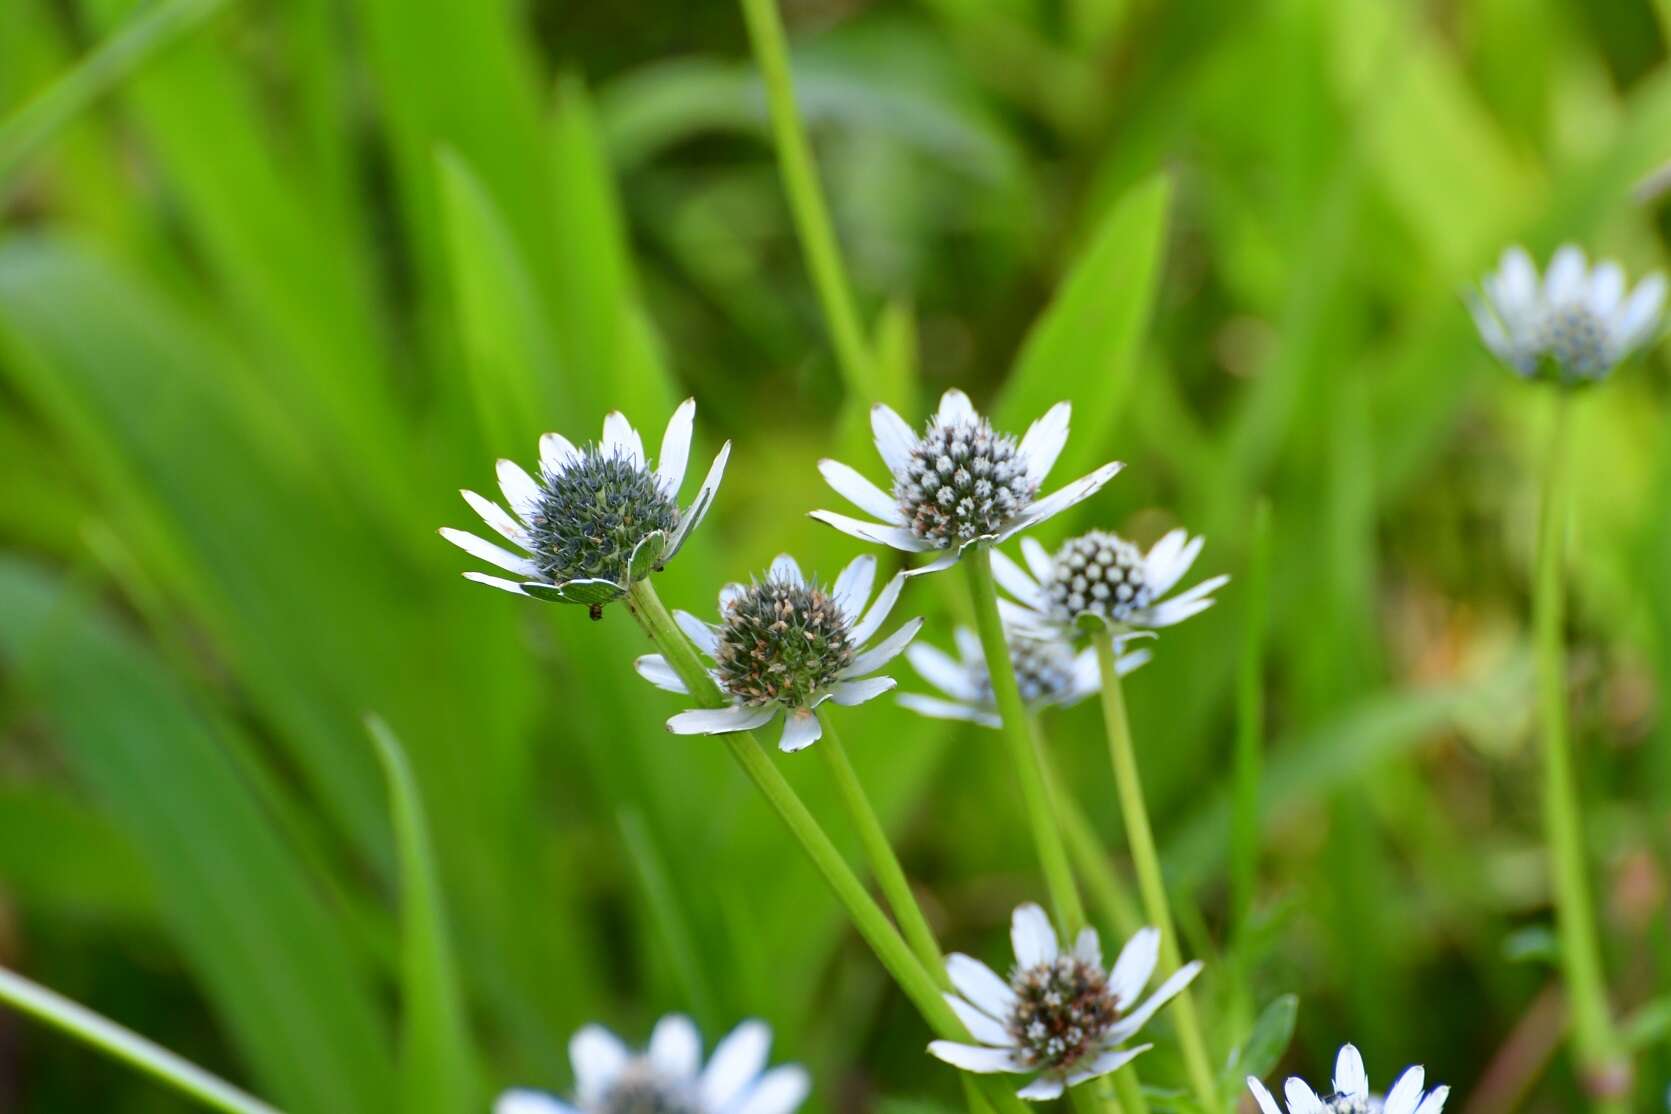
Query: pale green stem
(890,876)
(1091,862)
(126,1045)
(884,939)
(806,198)
(1145,860)
(1601,1060)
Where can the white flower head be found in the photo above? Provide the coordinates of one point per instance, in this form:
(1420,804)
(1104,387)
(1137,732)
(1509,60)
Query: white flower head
(786,643)
(1575,325)
(1350,1094)
(597,518)
(1047,670)
(1101,579)
(1059,1014)
(669,1076)
(958,483)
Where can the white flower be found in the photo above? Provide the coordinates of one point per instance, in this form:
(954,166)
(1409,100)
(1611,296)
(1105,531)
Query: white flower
(1047,671)
(1351,1092)
(1577,319)
(669,1077)
(597,519)
(958,483)
(1100,578)
(1059,1014)
(786,643)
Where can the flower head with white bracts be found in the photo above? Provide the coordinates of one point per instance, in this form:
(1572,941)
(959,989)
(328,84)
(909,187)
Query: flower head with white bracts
(786,643)
(597,519)
(1101,579)
(957,483)
(1351,1092)
(1059,1014)
(1047,670)
(1575,325)
(669,1077)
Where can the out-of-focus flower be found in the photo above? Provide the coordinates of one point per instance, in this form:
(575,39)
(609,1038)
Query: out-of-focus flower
(1099,578)
(1351,1092)
(1047,670)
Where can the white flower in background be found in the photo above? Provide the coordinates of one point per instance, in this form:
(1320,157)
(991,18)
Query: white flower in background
(958,483)
(1047,670)
(597,519)
(669,1077)
(1579,319)
(1351,1092)
(1100,578)
(1059,1013)
(785,643)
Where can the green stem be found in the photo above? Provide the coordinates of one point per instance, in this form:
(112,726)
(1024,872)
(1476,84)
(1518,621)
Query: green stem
(1092,864)
(885,941)
(806,198)
(1596,1043)
(126,1045)
(1146,861)
(890,876)
(1023,744)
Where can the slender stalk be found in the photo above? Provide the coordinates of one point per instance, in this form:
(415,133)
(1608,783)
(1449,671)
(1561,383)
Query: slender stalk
(1146,861)
(890,876)
(1595,1041)
(806,198)
(1023,744)
(126,1045)
(1092,864)
(884,939)
(1250,726)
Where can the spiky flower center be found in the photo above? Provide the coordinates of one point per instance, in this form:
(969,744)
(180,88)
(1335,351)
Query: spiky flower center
(593,513)
(963,481)
(1100,574)
(642,1089)
(782,642)
(1346,1104)
(1043,671)
(1575,338)
(1063,1007)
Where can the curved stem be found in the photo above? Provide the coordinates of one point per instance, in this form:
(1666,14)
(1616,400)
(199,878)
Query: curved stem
(1593,1034)
(126,1045)
(1146,862)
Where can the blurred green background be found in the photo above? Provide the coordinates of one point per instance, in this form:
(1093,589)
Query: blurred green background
(277,277)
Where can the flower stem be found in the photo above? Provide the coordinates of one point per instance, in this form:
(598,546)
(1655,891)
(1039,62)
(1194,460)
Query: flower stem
(1146,861)
(806,198)
(125,1045)
(890,876)
(1023,744)
(884,939)
(1604,1070)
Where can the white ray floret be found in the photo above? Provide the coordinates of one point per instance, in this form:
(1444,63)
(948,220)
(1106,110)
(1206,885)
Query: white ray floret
(1350,1092)
(596,518)
(1575,324)
(1059,1016)
(1047,670)
(785,643)
(958,483)
(669,1076)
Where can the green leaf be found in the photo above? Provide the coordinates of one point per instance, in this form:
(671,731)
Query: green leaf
(438,1075)
(1260,1053)
(1535,943)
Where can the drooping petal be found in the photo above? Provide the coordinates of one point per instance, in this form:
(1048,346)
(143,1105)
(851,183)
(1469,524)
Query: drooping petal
(556,453)
(946,560)
(737,1062)
(898,537)
(947,709)
(1043,442)
(620,437)
(1163,994)
(597,1056)
(675,448)
(1042,1089)
(1032,936)
(936,667)
(866,627)
(975,1057)
(801,729)
(853,487)
(494,515)
(779,1091)
(654,668)
(894,439)
(492,554)
(1060,500)
(698,509)
(498,582)
(851,693)
(1267,1103)
(530,1102)
(521,492)
(852,587)
(883,652)
(1349,1075)
(698,632)
(1017,583)
(1136,963)
(676,1047)
(1405,1094)
(1112,1060)
(720,721)
(980,985)
(1564,281)
(984,1028)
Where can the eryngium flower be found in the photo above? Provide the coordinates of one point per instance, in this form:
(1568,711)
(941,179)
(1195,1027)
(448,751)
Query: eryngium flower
(958,483)
(1099,578)
(669,1077)
(786,643)
(1575,325)
(597,519)
(1059,1013)
(1047,670)
(1351,1092)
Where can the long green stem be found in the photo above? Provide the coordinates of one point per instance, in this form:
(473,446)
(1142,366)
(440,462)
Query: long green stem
(885,941)
(1095,869)
(126,1045)
(806,198)
(890,876)
(1146,861)
(1605,1072)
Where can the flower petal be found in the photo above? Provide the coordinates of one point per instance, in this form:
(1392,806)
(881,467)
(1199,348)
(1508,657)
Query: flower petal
(720,721)
(779,1091)
(1349,1075)
(597,1056)
(1017,583)
(939,669)
(675,448)
(851,693)
(863,494)
(954,407)
(1564,281)
(1043,442)
(521,492)
(1042,1089)
(620,437)
(785,571)
(492,554)
(1434,1103)
(556,453)
(498,582)
(974,1057)
(1167,991)
(864,628)
(654,668)
(736,1064)
(801,728)
(1301,1098)
(698,632)
(883,652)
(986,1029)
(1088,947)
(898,537)
(980,985)
(1134,967)
(852,587)
(1516,288)
(1032,936)
(894,439)
(1112,1060)
(1267,1103)
(530,1102)
(1060,500)
(946,560)
(676,1047)
(698,509)
(1164,568)
(1038,559)
(1639,316)
(1607,289)
(494,515)
(945,709)
(1175,610)
(1405,1094)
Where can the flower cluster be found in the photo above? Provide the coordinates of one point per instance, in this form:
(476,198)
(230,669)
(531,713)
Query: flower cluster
(1350,1092)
